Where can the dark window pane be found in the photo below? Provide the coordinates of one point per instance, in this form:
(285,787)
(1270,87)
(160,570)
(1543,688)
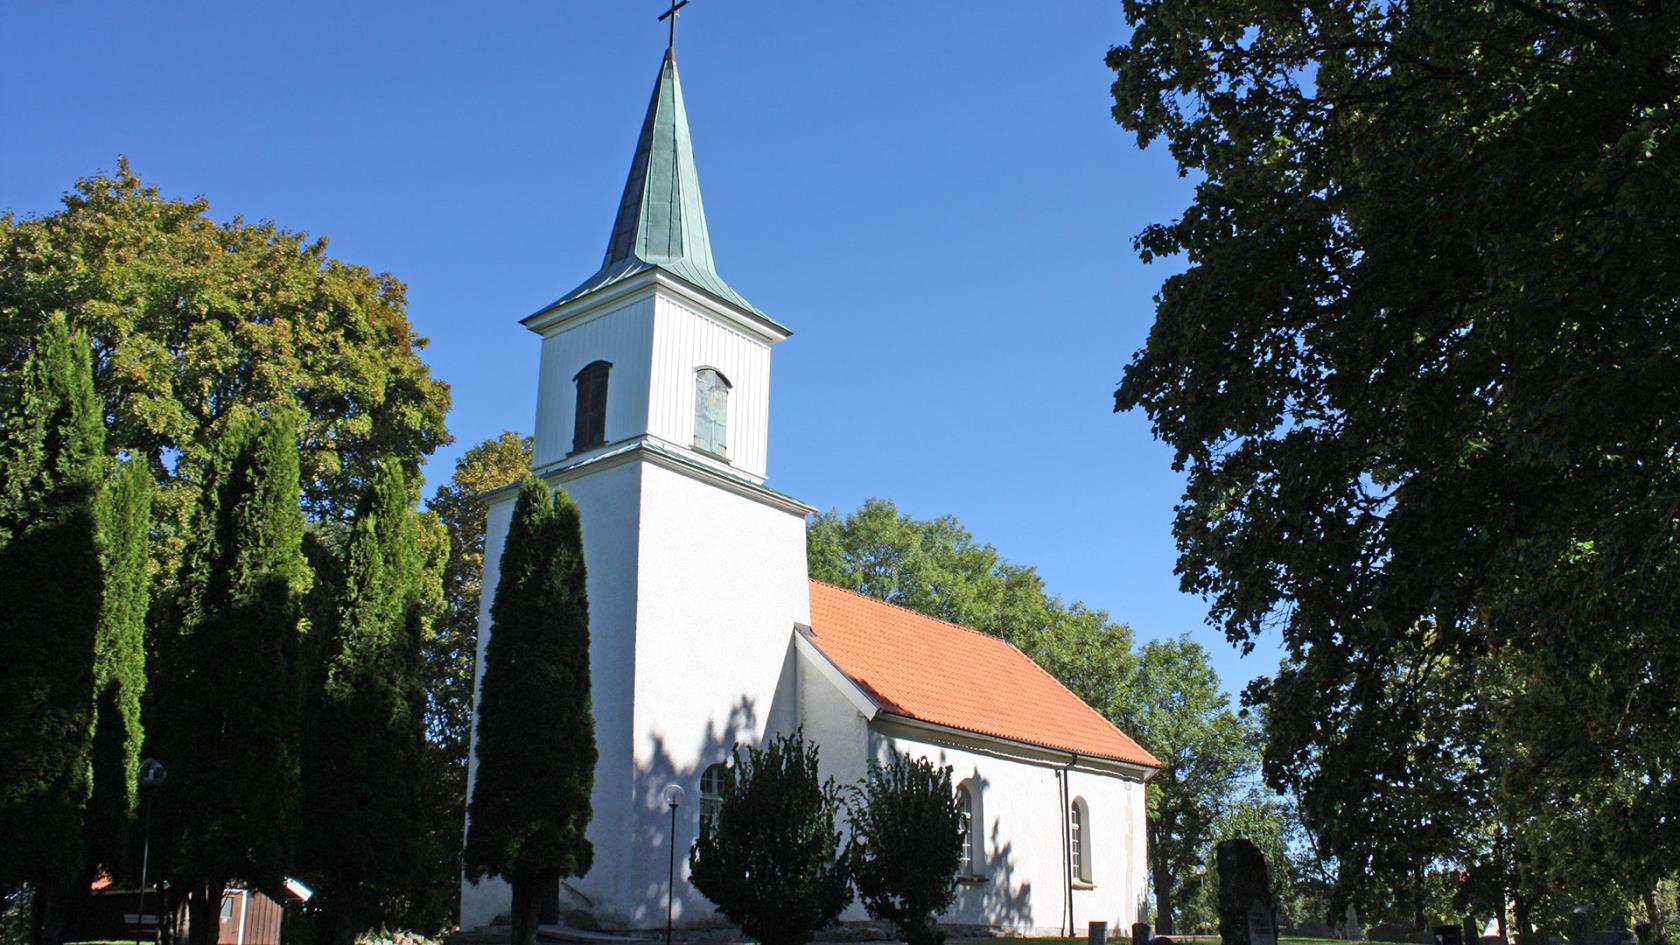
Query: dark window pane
(589,428)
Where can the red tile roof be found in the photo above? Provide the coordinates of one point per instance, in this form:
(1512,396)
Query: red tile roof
(933,671)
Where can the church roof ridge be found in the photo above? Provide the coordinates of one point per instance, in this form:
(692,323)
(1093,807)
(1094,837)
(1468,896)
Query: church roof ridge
(661,221)
(990,637)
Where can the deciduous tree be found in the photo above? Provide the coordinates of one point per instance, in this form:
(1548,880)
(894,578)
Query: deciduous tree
(530,805)
(1176,709)
(1420,373)
(191,319)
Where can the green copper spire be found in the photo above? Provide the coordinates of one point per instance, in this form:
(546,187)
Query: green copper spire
(661,221)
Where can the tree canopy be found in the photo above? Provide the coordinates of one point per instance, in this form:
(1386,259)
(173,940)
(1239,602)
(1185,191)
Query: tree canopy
(1176,709)
(191,319)
(1420,371)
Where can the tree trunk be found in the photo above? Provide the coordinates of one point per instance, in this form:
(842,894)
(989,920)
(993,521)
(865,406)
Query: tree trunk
(204,912)
(340,921)
(1653,916)
(1525,928)
(48,915)
(1418,922)
(1163,900)
(548,890)
(527,909)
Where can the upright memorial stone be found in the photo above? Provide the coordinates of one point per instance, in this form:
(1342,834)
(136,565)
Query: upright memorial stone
(1247,910)
(1351,929)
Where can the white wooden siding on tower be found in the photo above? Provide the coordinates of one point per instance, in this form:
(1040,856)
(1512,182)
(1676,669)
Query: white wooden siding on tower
(621,334)
(686,339)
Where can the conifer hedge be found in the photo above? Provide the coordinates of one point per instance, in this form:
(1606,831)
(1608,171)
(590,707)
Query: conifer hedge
(530,806)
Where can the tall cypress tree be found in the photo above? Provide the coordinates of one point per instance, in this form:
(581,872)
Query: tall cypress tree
(124,510)
(365,824)
(226,716)
(51,457)
(536,754)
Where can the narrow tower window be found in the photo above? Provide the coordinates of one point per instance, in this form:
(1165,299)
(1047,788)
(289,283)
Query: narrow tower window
(711,412)
(590,427)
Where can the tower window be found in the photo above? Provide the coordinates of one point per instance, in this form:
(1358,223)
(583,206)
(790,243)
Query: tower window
(589,429)
(711,412)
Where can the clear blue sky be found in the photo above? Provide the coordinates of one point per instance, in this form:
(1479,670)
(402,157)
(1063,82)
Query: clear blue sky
(932,195)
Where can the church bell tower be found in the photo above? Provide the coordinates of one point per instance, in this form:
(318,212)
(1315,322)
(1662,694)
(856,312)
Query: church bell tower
(653,413)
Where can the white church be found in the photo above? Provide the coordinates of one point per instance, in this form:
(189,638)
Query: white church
(707,631)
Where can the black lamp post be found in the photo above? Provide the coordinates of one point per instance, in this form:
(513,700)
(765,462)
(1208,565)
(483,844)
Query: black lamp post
(673,800)
(151,776)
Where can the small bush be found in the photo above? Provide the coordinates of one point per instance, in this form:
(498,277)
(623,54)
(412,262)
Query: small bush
(907,828)
(771,859)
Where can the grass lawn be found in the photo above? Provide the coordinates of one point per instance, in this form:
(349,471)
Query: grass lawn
(1124,939)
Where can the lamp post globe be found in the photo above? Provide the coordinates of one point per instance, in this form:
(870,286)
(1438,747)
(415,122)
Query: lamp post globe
(673,795)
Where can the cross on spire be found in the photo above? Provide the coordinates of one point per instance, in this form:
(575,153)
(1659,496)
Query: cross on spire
(671,15)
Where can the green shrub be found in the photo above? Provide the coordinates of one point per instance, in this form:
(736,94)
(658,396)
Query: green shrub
(771,858)
(908,832)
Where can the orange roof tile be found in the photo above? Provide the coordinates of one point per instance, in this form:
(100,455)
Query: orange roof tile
(933,671)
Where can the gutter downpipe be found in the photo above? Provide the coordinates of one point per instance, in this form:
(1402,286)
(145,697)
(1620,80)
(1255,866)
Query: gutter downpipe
(1067,842)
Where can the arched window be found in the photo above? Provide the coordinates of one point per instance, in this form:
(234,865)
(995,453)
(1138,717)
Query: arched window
(1079,841)
(711,412)
(968,806)
(589,429)
(711,794)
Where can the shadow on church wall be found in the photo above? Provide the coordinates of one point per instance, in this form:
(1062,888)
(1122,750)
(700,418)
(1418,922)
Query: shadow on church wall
(997,900)
(651,842)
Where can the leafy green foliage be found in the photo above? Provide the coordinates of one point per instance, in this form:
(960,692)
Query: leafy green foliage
(1420,373)
(450,652)
(226,718)
(367,722)
(771,858)
(51,461)
(1176,709)
(907,832)
(530,806)
(124,513)
(191,319)
(936,568)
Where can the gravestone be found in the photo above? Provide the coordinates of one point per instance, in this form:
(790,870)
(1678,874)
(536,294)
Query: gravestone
(1247,910)
(1315,929)
(1140,933)
(1351,929)
(1580,925)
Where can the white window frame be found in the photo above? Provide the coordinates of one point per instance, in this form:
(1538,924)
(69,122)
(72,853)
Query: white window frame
(1079,840)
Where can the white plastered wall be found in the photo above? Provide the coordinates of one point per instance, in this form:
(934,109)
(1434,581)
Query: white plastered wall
(724,581)
(1021,854)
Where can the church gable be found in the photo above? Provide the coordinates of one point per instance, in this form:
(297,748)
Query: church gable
(928,670)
